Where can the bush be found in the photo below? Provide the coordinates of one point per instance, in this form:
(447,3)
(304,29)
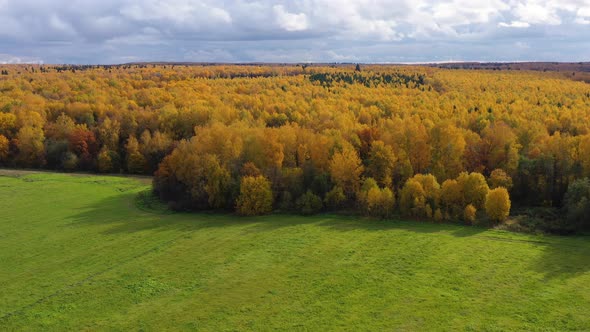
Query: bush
(474,187)
(286,201)
(451,197)
(577,205)
(136,163)
(335,198)
(498,204)
(4,148)
(438,216)
(413,199)
(309,203)
(255,196)
(469,214)
(105,163)
(380,202)
(70,161)
(499,178)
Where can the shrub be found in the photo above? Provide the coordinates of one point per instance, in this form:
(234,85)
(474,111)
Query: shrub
(255,196)
(362,196)
(577,205)
(286,201)
(499,178)
(70,161)
(475,188)
(136,163)
(3,148)
(438,216)
(335,198)
(309,203)
(105,164)
(380,202)
(498,204)
(451,197)
(469,214)
(412,199)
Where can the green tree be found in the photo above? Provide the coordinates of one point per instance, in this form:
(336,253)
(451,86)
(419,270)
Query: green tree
(577,205)
(335,198)
(309,203)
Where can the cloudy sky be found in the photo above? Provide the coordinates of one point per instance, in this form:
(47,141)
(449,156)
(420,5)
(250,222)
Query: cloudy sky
(119,31)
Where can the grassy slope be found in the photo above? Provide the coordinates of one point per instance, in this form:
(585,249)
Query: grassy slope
(76,253)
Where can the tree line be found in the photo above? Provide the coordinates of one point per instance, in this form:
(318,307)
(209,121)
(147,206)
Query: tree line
(216,136)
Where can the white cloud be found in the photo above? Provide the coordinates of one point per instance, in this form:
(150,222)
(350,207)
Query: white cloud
(289,21)
(160,27)
(6,59)
(583,15)
(514,24)
(534,13)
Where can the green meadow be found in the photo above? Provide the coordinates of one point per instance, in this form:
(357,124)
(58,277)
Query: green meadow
(90,253)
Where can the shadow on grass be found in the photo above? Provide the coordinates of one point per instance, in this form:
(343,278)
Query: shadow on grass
(565,257)
(562,256)
(120,211)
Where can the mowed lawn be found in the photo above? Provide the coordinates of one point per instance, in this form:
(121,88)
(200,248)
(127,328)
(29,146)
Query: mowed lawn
(78,253)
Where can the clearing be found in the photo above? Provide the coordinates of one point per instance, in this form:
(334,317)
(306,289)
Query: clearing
(79,253)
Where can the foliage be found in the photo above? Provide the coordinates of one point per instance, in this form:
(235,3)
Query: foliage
(469,214)
(4,149)
(255,196)
(577,205)
(312,127)
(498,204)
(346,169)
(380,202)
(413,199)
(309,203)
(474,188)
(381,163)
(499,178)
(335,198)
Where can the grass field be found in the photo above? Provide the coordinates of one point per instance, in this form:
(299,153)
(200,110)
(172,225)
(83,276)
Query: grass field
(78,253)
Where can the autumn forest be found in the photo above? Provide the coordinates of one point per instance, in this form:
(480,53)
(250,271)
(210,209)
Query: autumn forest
(424,143)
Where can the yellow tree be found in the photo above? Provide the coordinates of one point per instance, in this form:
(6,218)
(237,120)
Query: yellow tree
(469,214)
(136,162)
(452,198)
(448,148)
(500,147)
(346,169)
(431,191)
(499,178)
(255,196)
(4,148)
(104,161)
(380,202)
(498,204)
(585,154)
(413,199)
(31,151)
(474,188)
(381,163)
